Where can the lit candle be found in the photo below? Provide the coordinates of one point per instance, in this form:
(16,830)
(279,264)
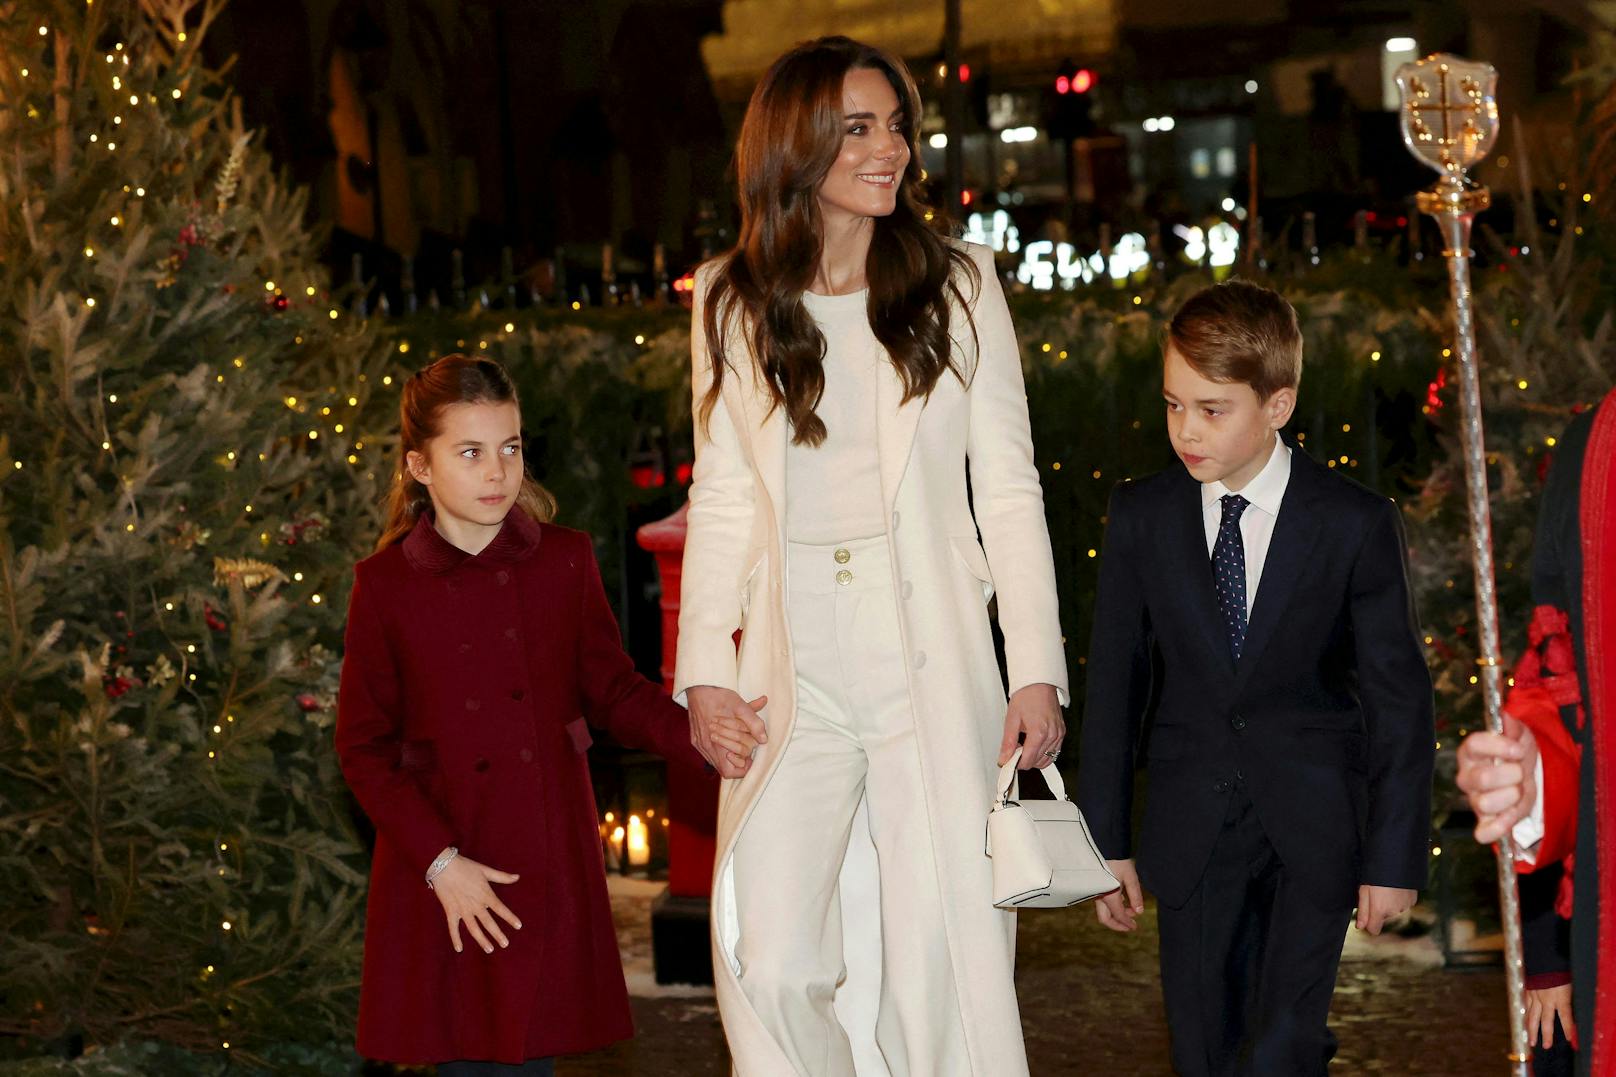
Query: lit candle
(639,846)
(617,846)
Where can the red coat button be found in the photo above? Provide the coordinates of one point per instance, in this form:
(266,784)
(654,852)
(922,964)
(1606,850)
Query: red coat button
(472,704)
(527,755)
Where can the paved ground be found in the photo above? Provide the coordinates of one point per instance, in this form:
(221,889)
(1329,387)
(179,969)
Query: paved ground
(1091,1006)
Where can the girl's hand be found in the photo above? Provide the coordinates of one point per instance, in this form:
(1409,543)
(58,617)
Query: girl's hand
(725,728)
(1034,711)
(465,895)
(1542,1007)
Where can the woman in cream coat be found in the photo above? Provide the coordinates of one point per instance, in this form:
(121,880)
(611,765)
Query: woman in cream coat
(830,520)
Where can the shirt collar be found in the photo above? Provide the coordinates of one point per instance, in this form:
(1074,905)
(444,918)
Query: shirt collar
(429,551)
(1265,491)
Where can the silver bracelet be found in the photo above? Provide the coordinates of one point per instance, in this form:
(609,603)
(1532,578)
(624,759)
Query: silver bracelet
(439,864)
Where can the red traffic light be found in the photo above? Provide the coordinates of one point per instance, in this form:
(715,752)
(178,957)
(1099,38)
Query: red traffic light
(1082,82)
(1062,84)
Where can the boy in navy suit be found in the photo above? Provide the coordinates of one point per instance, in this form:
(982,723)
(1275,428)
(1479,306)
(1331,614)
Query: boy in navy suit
(1256,607)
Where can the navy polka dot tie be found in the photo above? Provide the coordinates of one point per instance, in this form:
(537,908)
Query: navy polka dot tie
(1229,572)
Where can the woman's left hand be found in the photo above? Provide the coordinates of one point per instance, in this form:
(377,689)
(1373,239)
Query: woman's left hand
(1034,714)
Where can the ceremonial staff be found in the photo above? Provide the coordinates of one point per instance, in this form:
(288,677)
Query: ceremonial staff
(1450,121)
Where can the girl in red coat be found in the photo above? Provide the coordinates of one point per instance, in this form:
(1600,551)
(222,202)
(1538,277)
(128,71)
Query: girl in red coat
(479,649)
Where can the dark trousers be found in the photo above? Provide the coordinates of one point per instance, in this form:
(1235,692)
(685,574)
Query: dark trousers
(1249,964)
(533,1067)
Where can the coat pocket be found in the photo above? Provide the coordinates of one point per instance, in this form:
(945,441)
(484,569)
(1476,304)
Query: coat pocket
(969,552)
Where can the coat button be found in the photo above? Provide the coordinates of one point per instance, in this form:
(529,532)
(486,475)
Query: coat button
(510,633)
(465,648)
(1221,787)
(502,576)
(472,704)
(527,755)
(894,521)
(844,577)
(480,765)
(1238,722)
(516,694)
(907,589)
(920,660)
(842,555)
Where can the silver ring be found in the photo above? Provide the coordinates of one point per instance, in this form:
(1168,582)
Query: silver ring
(1052,756)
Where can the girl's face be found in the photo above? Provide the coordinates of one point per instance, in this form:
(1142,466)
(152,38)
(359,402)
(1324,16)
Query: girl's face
(864,180)
(473,470)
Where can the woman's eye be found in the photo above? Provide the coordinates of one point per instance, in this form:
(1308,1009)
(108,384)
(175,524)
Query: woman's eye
(469,454)
(856,129)
(513,450)
(1211,413)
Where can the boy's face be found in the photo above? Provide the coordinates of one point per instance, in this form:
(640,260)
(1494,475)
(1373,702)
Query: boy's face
(1221,430)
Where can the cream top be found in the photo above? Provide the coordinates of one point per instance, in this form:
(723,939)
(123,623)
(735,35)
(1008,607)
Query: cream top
(833,491)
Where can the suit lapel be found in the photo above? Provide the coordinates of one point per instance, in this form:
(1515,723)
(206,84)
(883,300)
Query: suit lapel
(1195,568)
(1295,530)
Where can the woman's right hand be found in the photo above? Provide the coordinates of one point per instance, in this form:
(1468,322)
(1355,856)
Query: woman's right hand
(725,728)
(464,892)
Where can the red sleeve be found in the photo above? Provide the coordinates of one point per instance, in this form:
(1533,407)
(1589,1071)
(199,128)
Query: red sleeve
(1532,705)
(637,712)
(370,726)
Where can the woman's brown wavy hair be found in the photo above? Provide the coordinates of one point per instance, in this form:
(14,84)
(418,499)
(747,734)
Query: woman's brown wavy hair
(454,379)
(790,137)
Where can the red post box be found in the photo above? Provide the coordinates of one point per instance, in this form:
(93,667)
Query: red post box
(679,919)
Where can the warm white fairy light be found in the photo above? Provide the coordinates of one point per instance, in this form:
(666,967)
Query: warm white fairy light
(176,93)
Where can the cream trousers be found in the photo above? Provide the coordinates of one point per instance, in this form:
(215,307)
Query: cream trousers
(852,760)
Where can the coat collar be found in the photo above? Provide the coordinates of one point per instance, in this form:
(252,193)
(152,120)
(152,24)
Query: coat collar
(428,551)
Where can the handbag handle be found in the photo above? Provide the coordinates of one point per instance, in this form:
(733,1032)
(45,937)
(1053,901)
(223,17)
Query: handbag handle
(1010,780)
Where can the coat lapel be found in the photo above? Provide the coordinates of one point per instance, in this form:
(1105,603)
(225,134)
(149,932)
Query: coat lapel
(1295,530)
(895,426)
(766,431)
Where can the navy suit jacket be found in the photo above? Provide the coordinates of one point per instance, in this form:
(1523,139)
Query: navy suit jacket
(1326,720)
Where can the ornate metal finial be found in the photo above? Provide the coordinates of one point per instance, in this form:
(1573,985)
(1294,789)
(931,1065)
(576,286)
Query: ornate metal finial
(1450,121)
(1450,111)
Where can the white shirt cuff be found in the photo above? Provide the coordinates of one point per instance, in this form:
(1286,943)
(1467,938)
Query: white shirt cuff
(1529,831)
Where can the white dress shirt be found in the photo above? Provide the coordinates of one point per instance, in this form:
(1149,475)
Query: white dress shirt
(1265,492)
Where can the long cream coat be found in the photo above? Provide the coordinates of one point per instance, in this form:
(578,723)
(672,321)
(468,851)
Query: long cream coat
(734,578)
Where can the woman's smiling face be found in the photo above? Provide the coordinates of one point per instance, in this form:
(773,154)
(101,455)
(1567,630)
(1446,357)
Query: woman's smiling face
(865,177)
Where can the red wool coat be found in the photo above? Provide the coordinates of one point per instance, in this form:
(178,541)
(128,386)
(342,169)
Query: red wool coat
(468,684)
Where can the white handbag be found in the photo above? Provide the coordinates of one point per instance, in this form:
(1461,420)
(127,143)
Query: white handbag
(1043,855)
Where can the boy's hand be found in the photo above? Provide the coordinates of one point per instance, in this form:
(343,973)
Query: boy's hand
(1542,1007)
(1378,904)
(1034,710)
(1497,771)
(1118,909)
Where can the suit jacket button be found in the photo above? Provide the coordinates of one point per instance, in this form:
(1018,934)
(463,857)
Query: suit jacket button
(1238,722)
(1221,787)
(920,660)
(527,755)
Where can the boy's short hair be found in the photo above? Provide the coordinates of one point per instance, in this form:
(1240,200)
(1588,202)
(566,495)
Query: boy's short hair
(1240,332)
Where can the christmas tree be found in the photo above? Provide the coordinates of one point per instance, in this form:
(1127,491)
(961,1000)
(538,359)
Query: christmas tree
(185,478)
